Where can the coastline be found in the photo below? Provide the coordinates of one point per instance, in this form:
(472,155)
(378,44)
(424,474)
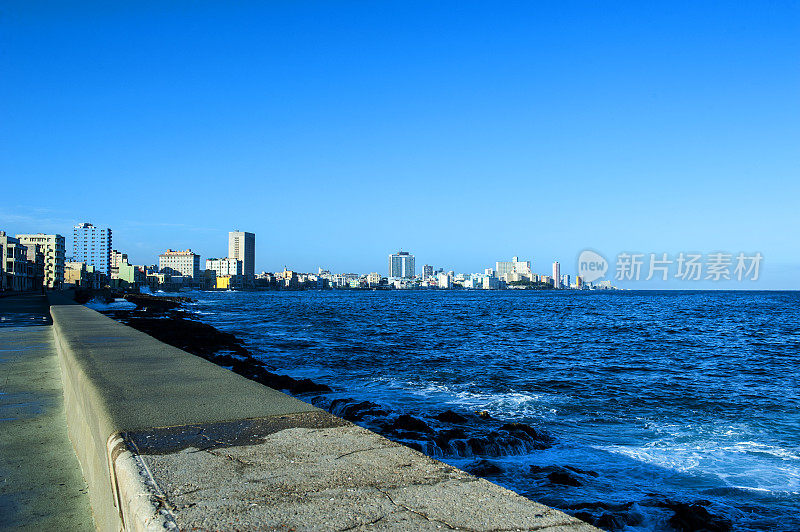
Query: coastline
(475,437)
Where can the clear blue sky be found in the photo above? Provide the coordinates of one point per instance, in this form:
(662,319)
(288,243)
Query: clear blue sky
(463,132)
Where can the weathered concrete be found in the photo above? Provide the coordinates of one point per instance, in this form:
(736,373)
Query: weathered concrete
(335,478)
(117,379)
(41,487)
(167,439)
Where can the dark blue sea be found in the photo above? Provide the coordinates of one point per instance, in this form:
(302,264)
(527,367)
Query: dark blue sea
(642,399)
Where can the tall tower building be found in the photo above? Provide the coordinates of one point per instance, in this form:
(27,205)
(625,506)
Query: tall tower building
(242,246)
(401,265)
(557,274)
(92,246)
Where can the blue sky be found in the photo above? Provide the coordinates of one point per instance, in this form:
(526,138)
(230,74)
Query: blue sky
(463,132)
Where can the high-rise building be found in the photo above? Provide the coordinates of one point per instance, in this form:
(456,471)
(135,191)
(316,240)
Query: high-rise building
(185,263)
(92,246)
(54,249)
(242,246)
(427,271)
(515,266)
(401,265)
(556,275)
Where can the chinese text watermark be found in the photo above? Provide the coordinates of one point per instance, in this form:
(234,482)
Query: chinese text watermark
(715,266)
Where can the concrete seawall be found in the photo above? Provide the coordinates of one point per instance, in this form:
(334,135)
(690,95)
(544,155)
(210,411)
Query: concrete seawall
(167,440)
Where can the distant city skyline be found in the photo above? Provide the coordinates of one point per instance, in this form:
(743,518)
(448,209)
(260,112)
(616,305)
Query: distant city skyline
(463,132)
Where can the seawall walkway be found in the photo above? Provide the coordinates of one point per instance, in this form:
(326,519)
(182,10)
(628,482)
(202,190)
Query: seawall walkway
(41,487)
(167,440)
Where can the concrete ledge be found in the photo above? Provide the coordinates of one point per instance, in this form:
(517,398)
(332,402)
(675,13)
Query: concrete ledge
(167,440)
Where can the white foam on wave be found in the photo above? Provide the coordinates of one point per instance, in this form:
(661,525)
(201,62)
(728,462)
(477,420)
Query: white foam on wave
(744,465)
(506,405)
(117,304)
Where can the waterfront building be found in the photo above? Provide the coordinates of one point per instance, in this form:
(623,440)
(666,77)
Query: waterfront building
(54,249)
(242,246)
(444,280)
(374,279)
(515,277)
(401,265)
(565,280)
(17,269)
(427,271)
(75,273)
(35,257)
(226,266)
(491,282)
(130,275)
(556,275)
(522,267)
(179,263)
(83,275)
(228,282)
(117,258)
(579,282)
(92,246)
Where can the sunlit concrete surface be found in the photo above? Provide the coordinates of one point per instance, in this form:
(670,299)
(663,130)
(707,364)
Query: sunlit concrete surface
(169,440)
(41,486)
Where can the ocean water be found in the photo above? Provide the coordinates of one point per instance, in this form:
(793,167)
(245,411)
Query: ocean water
(651,397)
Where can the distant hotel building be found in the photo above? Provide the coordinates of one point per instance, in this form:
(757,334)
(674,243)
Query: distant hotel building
(401,265)
(224,267)
(54,249)
(92,246)
(556,275)
(515,266)
(183,263)
(242,246)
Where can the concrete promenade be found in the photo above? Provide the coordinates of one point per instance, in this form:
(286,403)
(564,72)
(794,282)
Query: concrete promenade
(167,440)
(41,486)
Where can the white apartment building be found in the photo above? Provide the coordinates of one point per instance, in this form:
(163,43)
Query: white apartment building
(514,266)
(54,249)
(225,267)
(184,263)
(374,279)
(556,275)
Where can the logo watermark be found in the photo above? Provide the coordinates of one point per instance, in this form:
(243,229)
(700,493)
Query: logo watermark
(591,266)
(683,266)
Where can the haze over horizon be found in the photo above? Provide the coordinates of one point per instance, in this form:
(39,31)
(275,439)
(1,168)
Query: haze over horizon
(462,132)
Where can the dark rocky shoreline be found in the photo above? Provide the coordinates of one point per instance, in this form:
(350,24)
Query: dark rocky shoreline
(446,434)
